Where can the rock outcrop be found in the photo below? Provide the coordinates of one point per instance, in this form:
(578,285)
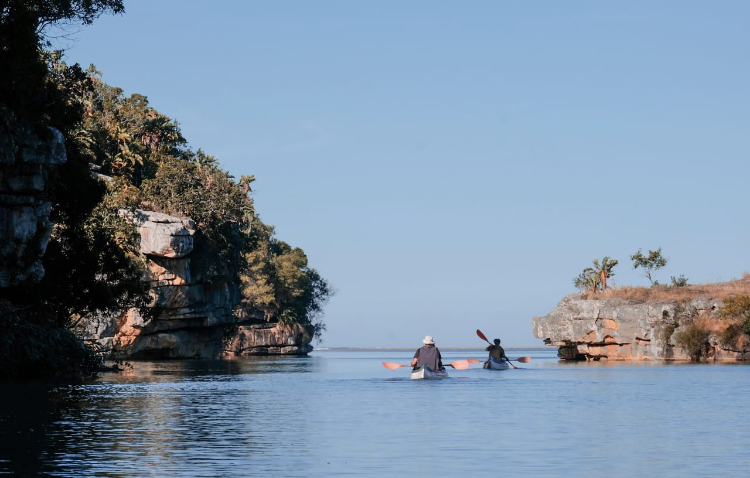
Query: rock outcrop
(25,159)
(616,329)
(193,319)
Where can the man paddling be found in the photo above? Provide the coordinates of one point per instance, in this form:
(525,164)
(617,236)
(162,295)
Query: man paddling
(428,355)
(496,352)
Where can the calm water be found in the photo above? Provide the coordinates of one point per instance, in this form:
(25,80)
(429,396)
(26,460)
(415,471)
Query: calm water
(341,413)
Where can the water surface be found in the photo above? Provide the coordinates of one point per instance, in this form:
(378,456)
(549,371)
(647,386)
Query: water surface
(341,413)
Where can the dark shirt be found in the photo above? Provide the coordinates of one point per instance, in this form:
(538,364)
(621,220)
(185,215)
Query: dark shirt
(496,352)
(430,356)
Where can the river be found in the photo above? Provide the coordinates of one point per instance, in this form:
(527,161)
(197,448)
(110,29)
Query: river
(341,413)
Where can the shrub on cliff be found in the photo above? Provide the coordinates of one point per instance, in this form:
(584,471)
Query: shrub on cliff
(736,312)
(694,338)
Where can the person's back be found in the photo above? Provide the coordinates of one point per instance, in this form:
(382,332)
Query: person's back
(496,352)
(428,355)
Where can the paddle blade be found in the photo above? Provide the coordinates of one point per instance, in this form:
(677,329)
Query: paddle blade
(460,364)
(523,359)
(474,360)
(392,366)
(481,336)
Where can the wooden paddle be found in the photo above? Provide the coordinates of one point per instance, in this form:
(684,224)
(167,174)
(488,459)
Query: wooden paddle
(456,364)
(483,337)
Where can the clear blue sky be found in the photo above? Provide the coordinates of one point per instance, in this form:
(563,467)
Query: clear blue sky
(449,166)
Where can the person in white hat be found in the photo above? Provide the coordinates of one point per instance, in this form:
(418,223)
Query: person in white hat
(428,355)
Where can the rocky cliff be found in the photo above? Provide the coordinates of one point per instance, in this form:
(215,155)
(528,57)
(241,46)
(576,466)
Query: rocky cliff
(617,329)
(193,319)
(25,159)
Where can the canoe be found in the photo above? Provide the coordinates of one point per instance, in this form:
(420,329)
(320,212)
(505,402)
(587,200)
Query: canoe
(426,373)
(493,364)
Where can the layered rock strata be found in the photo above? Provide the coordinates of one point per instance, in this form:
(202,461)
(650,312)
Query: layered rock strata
(193,319)
(615,329)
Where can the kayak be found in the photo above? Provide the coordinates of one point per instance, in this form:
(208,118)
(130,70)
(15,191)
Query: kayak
(493,364)
(426,373)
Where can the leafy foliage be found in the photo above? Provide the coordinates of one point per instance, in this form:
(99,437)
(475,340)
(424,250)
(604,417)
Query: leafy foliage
(277,282)
(604,270)
(231,244)
(736,310)
(587,280)
(595,278)
(127,137)
(651,263)
(681,281)
(84,267)
(92,262)
(693,338)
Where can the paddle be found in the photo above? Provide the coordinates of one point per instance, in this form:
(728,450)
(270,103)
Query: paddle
(483,337)
(519,359)
(456,364)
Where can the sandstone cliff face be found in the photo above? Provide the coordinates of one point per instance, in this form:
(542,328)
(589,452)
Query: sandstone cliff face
(194,319)
(25,227)
(614,329)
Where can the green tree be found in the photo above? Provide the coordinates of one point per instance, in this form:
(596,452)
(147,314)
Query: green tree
(650,263)
(603,270)
(83,269)
(217,205)
(277,282)
(588,280)
(128,137)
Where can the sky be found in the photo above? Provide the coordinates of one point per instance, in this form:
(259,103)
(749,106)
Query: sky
(453,166)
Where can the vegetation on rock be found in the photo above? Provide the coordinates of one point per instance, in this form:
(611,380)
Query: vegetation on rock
(595,278)
(650,263)
(123,154)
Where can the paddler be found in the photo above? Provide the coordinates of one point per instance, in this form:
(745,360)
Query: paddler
(428,355)
(496,352)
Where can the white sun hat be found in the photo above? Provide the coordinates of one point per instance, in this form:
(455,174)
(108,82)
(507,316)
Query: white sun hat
(428,340)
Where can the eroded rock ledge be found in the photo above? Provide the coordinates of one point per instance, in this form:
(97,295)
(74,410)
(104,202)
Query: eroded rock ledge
(195,319)
(616,329)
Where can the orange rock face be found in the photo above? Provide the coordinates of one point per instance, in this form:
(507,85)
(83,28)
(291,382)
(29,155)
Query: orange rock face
(621,330)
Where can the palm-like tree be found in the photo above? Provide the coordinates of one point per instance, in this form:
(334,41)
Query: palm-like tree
(604,270)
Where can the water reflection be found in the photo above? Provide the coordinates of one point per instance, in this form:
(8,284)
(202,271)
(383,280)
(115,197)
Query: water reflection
(155,415)
(344,414)
(27,416)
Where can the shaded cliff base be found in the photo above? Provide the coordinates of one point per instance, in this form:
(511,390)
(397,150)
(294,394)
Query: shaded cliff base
(136,339)
(642,324)
(29,350)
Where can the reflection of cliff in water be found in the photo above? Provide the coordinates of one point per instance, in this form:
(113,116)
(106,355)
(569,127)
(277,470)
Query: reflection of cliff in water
(27,415)
(161,414)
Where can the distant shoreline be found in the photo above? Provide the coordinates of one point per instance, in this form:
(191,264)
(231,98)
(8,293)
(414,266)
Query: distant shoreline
(338,349)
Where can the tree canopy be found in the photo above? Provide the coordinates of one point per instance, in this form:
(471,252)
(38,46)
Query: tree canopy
(92,262)
(650,263)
